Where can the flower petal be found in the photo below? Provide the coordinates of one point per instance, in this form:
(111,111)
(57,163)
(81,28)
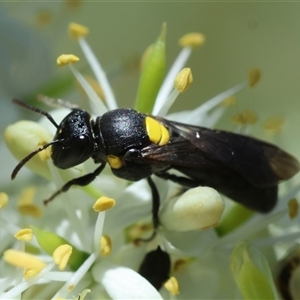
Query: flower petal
(123,283)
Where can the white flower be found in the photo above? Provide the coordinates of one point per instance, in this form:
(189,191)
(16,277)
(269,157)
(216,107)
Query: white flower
(200,259)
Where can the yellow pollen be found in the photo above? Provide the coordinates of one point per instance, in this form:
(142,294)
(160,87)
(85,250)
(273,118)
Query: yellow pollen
(172,286)
(104,203)
(3,199)
(183,80)
(114,161)
(43,18)
(77,31)
(179,264)
(230,101)
(105,245)
(83,294)
(61,255)
(45,154)
(28,273)
(254,76)
(23,260)
(245,117)
(26,205)
(138,230)
(274,124)
(65,59)
(73,4)
(71,287)
(192,40)
(293,207)
(25,235)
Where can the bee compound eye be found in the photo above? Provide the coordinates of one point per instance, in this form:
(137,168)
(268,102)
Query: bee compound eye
(72,152)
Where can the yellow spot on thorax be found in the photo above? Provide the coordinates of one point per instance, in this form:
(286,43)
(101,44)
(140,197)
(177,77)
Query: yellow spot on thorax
(158,134)
(114,161)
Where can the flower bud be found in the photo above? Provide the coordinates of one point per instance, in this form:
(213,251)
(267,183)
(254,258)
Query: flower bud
(198,208)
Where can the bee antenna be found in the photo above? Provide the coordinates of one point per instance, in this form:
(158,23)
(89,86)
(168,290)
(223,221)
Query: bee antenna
(35,109)
(29,156)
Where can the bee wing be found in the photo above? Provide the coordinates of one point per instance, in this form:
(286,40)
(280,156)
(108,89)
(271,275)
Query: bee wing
(261,163)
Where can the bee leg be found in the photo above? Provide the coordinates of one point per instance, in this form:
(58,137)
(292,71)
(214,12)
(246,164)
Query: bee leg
(81,181)
(184,181)
(155,209)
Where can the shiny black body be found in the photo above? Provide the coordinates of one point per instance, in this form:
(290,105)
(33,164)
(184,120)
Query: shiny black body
(245,169)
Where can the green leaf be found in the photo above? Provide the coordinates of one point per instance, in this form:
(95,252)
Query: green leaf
(152,76)
(236,216)
(252,273)
(49,241)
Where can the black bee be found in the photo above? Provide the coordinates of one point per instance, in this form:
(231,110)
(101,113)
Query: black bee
(137,145)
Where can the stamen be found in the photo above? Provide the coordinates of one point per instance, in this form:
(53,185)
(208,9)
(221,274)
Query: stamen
(3,199)
(274,125)
(77,31)
(61,256)
(105,245)
(245,117)
(254,76)
(25,234)
(26,205)
(203,109)
(77,276)
(83,294)
(43,18)
(178,64)
(192,40)
(172,286)
(103,204)
(97,102)
(66,59)
(179,264)
(28,273)
(99,73)
(23,260)
(183,80)
(230,101)
(293,207)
